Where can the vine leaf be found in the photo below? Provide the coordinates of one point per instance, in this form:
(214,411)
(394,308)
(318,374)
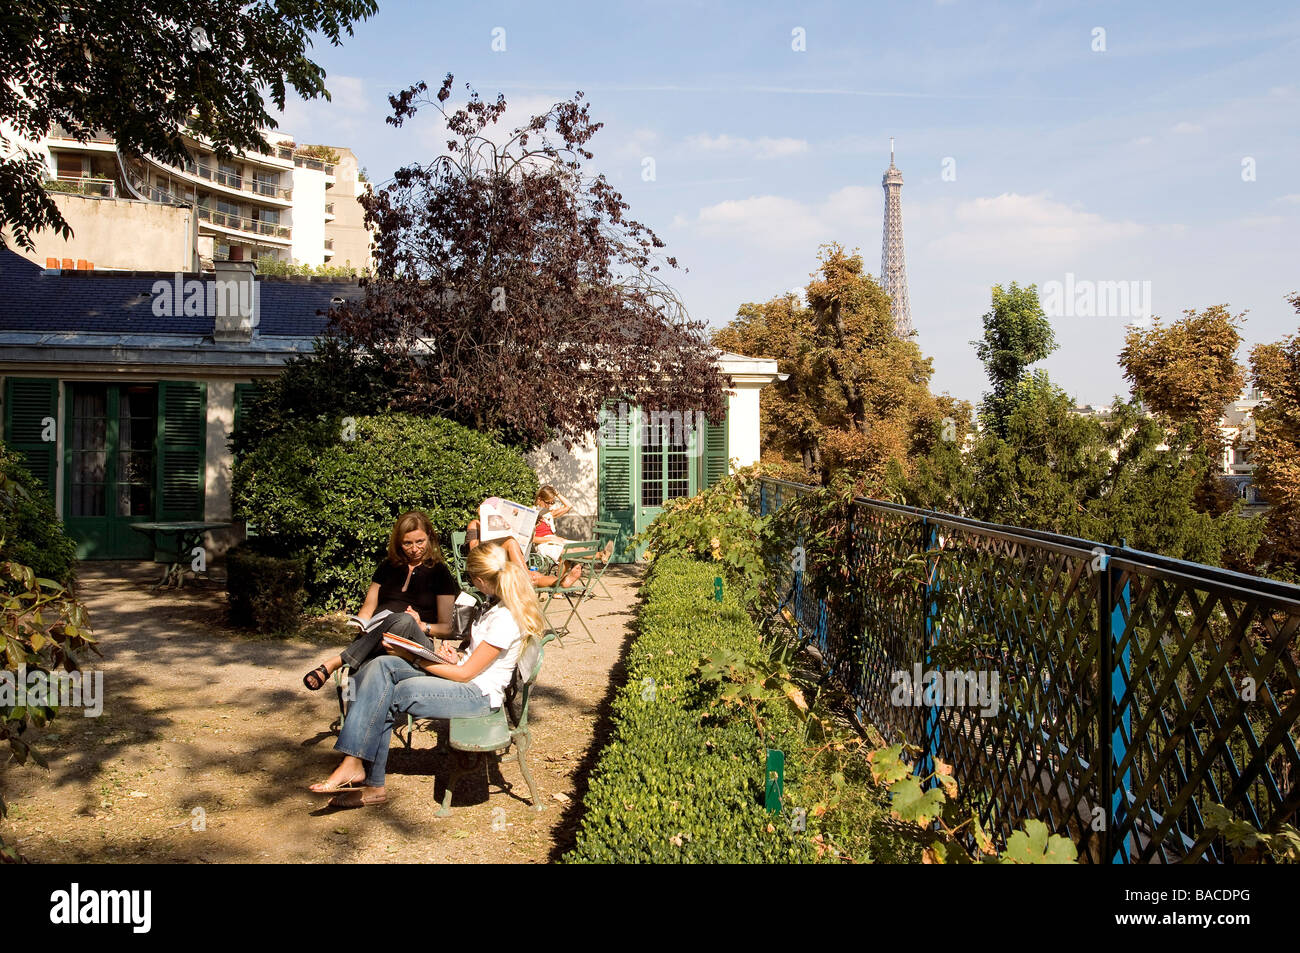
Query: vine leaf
(910,803)
(1034,846)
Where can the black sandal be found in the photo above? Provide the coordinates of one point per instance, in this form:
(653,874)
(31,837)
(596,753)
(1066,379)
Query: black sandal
(321,675)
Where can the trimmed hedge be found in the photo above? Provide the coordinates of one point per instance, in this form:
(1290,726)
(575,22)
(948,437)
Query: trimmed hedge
(679,782)
(32,533)
(266,592)
(309,492)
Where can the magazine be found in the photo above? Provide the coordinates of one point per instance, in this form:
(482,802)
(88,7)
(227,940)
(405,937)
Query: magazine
(498,518)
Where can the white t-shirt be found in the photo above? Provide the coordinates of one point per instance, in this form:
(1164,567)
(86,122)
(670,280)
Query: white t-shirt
(496,627)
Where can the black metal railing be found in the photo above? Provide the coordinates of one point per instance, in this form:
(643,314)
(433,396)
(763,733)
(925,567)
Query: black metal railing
(1131,689)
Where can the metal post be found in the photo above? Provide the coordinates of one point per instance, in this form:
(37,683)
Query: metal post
(1116,727)
(930,637)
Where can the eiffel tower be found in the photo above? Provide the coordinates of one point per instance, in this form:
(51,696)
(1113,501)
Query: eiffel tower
(893,264)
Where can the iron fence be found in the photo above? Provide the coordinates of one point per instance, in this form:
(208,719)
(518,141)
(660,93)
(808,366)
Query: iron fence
(1122,691)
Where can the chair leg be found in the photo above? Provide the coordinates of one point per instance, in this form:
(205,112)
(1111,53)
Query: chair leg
(522,741)
(457,773)
(574,605)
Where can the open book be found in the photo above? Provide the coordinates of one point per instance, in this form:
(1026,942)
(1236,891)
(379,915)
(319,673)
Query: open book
(415,648)
(369,625)
(498,518)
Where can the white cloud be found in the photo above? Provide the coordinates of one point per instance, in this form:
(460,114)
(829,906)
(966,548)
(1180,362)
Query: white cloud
(1187,128)
(777,222)
(764,147)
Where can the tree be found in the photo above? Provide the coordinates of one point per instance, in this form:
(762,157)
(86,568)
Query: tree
(513,294)
(1016,335)
(1275,453)
(1188,371)
(144,72)
(857,397)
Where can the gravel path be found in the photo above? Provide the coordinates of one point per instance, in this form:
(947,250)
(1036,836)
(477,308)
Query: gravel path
(208,740)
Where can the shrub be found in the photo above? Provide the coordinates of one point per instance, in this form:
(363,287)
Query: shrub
(32,533)
(310,492)
(266,592)
(675,783)
(714,525)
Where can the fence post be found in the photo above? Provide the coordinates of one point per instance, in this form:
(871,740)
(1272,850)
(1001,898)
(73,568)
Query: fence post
(762,497)
(930,635)
(1116,726)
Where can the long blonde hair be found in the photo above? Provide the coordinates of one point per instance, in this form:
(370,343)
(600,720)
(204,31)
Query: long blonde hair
(490,561)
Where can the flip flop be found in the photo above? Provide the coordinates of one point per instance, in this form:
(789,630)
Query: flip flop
(324,787)
(363,801)
(321,674)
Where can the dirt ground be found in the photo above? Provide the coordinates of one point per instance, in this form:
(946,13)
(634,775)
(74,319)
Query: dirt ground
(205,727)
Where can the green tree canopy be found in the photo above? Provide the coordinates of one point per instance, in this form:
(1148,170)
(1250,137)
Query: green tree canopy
(1016,335)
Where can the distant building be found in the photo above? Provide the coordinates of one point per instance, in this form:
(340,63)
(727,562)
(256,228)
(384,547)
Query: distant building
(295,203)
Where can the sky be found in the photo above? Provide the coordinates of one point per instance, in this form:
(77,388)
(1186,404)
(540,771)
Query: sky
(1069,145)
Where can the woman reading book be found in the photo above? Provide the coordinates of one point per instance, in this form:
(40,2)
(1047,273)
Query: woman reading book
(413,585)
(388,689)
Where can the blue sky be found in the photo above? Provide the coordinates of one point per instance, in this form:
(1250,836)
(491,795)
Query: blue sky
(1171,156)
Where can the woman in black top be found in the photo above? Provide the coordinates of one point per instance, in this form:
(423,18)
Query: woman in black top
(413,583)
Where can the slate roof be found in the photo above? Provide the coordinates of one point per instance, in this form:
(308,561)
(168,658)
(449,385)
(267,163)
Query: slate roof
(121,303)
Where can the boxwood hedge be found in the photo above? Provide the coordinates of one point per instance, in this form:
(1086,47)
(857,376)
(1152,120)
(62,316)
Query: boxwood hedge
(678,783)
(330,491)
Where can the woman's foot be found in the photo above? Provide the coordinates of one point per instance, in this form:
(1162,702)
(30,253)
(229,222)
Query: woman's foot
(346,777)
(359,797)
(316,678)
(572,576)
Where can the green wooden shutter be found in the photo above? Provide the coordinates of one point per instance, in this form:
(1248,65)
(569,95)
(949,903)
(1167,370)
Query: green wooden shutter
(30,404)
(715,452)
(614,490)
(246,396)
(182,449)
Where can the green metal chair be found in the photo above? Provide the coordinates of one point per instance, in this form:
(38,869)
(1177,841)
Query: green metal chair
(586,554)
(607,531)
(496,732)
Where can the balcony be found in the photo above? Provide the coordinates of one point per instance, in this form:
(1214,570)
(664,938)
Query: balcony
(310,162)
(250,226)
(329,247)
(233,180)
(83,185)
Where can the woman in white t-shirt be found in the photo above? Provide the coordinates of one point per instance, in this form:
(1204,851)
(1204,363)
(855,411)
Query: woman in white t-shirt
(388,688)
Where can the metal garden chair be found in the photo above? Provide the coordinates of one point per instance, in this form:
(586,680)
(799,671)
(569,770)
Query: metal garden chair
(585,554)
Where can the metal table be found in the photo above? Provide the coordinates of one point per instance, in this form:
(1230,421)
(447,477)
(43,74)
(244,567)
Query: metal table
(187,536)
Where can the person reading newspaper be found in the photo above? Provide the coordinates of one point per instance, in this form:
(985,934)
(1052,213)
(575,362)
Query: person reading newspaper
(506,522)
(411,596)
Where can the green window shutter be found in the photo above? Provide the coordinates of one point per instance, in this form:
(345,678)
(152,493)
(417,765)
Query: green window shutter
(31,415)
(715,452)
(614,471)
(246,396)
(182,449)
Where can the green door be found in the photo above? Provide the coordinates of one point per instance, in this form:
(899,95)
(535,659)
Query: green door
(110,462)
(665,451)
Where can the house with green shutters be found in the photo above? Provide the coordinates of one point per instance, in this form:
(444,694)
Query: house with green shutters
(121,391)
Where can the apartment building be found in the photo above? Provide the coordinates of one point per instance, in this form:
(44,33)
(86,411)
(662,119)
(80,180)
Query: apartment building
(294,203)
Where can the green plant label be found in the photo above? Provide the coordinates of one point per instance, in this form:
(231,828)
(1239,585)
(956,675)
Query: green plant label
(717,588)
(775,779)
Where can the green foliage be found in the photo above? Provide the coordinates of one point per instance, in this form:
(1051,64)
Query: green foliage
(266,592)
(270,267)
(42,626)
(681,780)
(337,379)
(32,531)
(312,492)
(713,525)
(1249,843)
(1016,335)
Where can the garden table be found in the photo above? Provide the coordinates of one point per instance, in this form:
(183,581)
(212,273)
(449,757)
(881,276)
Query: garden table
(187,535)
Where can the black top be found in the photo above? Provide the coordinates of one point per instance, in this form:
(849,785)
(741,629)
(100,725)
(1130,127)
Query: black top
(425,585)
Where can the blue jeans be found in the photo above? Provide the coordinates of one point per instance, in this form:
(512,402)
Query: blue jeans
(388,689)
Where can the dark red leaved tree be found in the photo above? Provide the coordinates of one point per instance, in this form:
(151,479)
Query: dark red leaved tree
(512,293)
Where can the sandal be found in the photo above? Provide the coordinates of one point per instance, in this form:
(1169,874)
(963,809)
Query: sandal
(324,787)
(316,678)
(347,801)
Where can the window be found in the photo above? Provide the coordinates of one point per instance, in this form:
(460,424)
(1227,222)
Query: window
(267,183)
(228,174)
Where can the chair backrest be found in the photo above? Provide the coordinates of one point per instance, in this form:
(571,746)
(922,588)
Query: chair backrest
(526,672)
(607,530)
(459,549)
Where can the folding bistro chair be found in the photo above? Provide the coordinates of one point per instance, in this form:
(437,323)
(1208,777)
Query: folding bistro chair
(496,732)
(586,555)
(607,532)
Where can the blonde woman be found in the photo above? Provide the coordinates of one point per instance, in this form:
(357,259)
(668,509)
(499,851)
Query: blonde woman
(388,688)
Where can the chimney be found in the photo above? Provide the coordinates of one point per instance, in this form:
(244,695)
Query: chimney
(235,305)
